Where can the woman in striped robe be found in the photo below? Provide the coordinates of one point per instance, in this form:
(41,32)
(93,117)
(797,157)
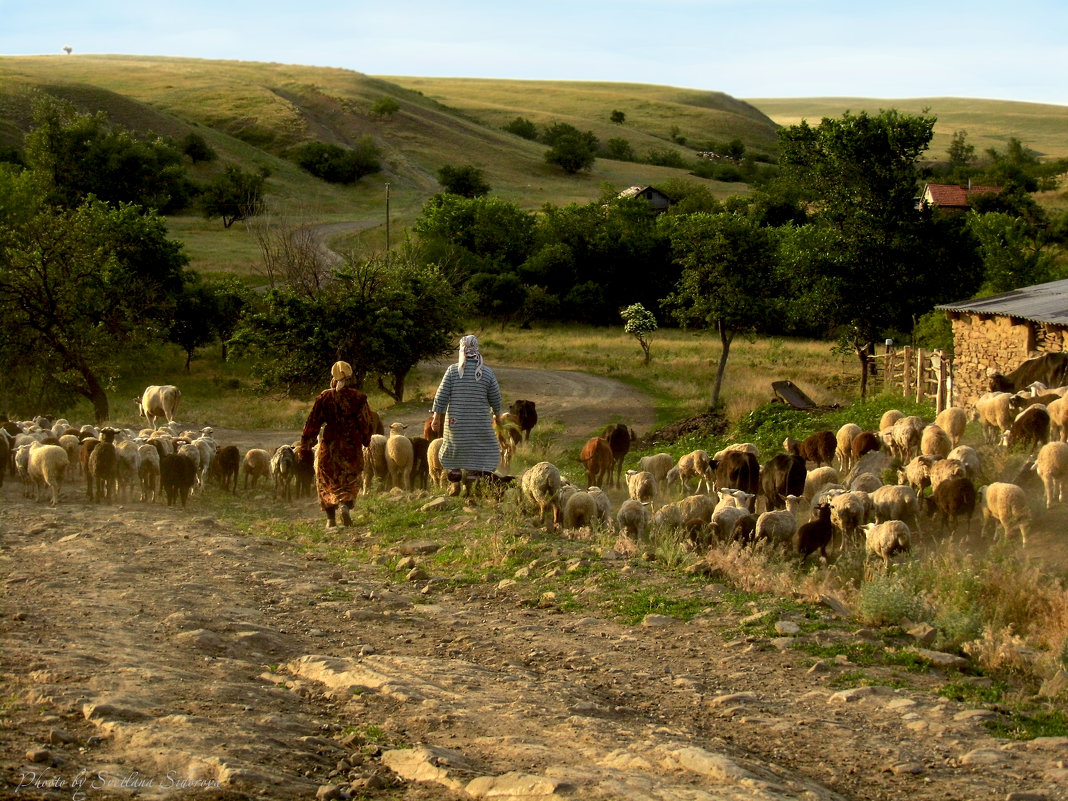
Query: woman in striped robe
(468,401)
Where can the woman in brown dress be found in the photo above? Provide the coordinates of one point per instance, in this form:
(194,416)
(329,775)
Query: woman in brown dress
(341,420)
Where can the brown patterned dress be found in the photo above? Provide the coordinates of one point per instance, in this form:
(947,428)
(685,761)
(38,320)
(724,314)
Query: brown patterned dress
(346,423)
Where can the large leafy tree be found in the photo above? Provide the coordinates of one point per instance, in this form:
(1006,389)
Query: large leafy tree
(234,195)
(728,278)
(86,288)
(866,263)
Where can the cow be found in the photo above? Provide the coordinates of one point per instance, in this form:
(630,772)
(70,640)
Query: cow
(1050,368)
(159,401)
(526,414)
(620,437)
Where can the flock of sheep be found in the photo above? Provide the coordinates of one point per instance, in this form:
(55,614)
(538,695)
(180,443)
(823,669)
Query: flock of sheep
(825,491)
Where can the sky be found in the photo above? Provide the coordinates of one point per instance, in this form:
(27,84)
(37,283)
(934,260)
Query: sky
(745,48)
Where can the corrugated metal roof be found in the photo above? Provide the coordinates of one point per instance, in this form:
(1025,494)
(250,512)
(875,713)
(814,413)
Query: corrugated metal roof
(1041,303)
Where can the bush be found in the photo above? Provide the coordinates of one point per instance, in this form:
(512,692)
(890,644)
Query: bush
(466,181)
(338,165)
(618,149)
(523,127)
(385,107)
(665,158)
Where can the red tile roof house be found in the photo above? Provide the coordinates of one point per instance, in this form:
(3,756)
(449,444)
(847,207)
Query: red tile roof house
(951,196)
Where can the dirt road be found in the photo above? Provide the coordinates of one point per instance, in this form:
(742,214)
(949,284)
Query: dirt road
(151,652)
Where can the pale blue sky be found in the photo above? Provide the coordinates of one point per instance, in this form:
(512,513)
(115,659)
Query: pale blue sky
(746,48)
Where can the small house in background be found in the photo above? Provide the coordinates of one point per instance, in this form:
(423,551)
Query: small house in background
(1000,332)
(952,197)
(657,199)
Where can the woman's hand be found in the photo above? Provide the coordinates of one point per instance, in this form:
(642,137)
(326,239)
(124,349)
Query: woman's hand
(435,421)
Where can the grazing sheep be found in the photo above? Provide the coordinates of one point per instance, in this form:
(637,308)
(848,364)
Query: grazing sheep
(633,519)
(950,499)
(597,458)
(697,506)
(177,474)
(658,464)
(864,443)
(935,442)
(399,457)
(671,479)
(819,447)
(695,464)
(1052,467)
(225,466)
(257,465)
(953,420)
(581,510)
(604,505)
(844,450)
(890,416)
(779,526)
(818,478)
(887,539)
(540,486)
(1005,504)
(724,519)
(46,468)
(641,486)
(668,516)
(433,462)
(1031,428)
(945,469)
(620,437)
(738,447)
(993,413)
(148,471)
(896,502)
(815,535)
(744,530)
(102,468)
(782,475)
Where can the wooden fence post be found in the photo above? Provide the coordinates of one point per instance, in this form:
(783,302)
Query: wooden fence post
(921,373)
(906,370)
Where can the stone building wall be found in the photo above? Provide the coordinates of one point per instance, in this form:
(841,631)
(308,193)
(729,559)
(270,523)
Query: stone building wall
(981,343)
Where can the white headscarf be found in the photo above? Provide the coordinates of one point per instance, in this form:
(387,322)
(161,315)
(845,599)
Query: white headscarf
(469,350)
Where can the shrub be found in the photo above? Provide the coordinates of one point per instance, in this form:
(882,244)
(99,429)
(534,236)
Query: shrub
(338,165)
(523,127)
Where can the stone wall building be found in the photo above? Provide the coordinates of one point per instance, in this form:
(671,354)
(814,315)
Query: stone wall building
(1000,332)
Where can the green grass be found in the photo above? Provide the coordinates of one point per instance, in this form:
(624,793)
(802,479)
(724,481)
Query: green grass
(1027,724)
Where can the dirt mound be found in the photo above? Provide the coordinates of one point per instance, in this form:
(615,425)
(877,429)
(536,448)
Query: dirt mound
(706,424)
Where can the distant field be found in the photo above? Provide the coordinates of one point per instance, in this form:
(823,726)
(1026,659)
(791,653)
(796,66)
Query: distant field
(989,123)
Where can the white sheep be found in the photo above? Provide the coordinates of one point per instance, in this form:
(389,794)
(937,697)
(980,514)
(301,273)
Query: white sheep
(148,472)
(72,445)
(641,486)
(849,511)
(658,464)
(737,447)
(724,518)
(935,442)
(127,467)
(697,506)
(375,464)
(967,456)
(945,469)
(886,539)
(917,473)
(779,526)
(581,510)
(633,519)
(604,505)
(844,451)
(890,416)
(953,420)
(1052,467)
(695,464)
(1005,504)
(1058,419)
(817,478)
(433,461)
(540,486)
(46,467)
(897,502)
(257,465)
(993,412)
(399,457)
(865,482)
(907,435)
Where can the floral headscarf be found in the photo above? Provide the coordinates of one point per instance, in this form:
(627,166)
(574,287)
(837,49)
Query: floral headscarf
(469,350)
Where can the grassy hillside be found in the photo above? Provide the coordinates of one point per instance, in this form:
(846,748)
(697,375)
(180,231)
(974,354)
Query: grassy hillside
(989,123)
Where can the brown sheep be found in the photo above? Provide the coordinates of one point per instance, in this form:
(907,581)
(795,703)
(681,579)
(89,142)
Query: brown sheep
(819,447)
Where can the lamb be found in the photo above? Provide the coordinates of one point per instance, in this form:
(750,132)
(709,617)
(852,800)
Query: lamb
(1005,504)
(641,486)
(225,466)
(993,413)
(433,461)
(102,468)
(844,450)
(887,539)
(744,530)
(896,502)
(540,486)
(399,456)
(779,526)
(1031,427)
(819,447)
(658,464)
(597,458)
(816,479)
(581,510)
(695,464)
(935,442)
(953,420)
(1052,467)
(506,427)
(633,519)
(815,535)
(283,470)
(950,499)
(148,471)
(257,465)
(177,474)
(46,468)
